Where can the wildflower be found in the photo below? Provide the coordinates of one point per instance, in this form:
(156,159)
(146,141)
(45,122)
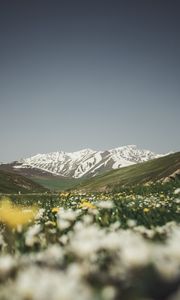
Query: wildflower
(68,214)
(14,215)
(146,209)
(87,205)
(37,283)
(40,214)
(55,209)
(177,191)
(108,292)
(31,235)
(63,224)
(7,266)
(131,223)
(105,204)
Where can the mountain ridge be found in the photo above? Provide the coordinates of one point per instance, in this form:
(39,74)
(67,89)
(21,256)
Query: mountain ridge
(86,162)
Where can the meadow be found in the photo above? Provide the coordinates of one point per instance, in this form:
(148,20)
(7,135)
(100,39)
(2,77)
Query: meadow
(91,246)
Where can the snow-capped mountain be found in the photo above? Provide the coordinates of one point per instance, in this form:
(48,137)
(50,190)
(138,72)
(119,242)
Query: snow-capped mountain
(86,162)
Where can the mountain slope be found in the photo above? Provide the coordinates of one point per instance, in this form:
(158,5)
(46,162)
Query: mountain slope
(85,163)
(156,169)
(13,183)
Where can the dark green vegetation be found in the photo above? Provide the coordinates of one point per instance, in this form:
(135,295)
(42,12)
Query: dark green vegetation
(151,171)
(13,183)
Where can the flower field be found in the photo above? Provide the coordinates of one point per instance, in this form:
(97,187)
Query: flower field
(90,246)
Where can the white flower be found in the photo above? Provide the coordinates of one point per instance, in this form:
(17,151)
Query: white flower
(108,293)
(45,284)
(63,224)
(135,251)
(131,223)
(65,217)
(52,256)
(7,265)
(68,214)
(86,240)
(105,204)
(40,214)
(177,201)
(177,191)
(31,235)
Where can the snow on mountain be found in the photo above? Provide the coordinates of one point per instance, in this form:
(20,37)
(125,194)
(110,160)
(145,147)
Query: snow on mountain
(86,162)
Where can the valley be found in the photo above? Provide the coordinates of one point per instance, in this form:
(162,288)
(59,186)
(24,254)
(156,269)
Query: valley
(115,231)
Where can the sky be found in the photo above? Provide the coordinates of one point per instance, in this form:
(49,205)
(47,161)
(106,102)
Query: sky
(88,74)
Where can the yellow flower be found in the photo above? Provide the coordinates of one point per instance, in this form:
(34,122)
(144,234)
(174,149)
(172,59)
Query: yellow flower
(64,194)
(55,209)
(13,215)
(87,204)
(146,209)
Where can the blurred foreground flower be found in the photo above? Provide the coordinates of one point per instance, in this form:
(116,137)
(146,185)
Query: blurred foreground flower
(55,209)
(146,209)
(105,204)
(14,216)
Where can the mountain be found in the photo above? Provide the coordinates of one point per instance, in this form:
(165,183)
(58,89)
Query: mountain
(84,163)
(14,183)
(162,169)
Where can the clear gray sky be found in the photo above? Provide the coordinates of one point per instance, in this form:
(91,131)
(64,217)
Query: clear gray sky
(88,74)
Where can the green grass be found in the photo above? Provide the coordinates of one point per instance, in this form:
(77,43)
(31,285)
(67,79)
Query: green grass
(55,184)
(152,170)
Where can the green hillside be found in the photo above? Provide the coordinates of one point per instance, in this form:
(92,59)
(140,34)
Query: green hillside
(57,184)
(13,183)
(152,170)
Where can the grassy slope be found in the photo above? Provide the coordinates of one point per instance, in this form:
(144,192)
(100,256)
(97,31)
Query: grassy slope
(13,183)
(58,184)
(137,174)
